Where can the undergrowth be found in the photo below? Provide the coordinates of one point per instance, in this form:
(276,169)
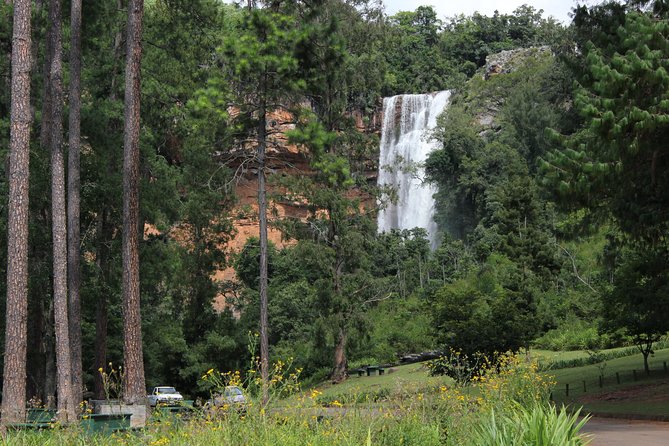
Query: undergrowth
(511,393)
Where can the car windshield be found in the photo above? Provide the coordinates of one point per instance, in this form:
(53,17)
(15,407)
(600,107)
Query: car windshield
(166,390)
(232,391)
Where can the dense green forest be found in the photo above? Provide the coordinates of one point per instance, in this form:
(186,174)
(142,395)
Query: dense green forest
(552,179)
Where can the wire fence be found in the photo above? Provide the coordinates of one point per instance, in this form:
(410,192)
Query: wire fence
(577,388)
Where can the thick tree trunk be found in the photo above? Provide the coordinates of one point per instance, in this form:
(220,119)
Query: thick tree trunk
(73,201)
(66,405)
(133,387)
(262,212)
(340,362)
(14,378)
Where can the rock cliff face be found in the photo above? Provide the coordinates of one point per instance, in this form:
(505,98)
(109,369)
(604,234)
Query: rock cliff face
(282,159)
(502,63)
(506,62)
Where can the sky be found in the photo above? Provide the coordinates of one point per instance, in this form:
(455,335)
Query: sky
(559,9)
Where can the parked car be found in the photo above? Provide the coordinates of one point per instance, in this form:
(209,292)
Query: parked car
(231,398)
(165,395)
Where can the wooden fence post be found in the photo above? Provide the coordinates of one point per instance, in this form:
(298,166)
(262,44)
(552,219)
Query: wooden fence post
(584,389)
(634,374)
(601,381)
(618,377)
(566,389)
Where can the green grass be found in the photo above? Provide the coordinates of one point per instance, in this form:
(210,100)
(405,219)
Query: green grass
(403,380)
(638,397)
(450,416)
(414,378)
(623,366)
(551,356)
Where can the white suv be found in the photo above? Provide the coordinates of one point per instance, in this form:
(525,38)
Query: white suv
(165,396)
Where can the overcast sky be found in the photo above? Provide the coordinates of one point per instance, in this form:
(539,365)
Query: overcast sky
(448,8)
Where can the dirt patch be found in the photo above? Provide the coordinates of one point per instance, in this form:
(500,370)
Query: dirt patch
(655,392)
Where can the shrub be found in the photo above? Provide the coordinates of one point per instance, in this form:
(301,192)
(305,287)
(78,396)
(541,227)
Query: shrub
(458,365)
(538,425)
(513,380)
(574,336)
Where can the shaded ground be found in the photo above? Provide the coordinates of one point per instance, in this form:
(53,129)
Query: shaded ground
(656,392)
(615,432)
(649,400)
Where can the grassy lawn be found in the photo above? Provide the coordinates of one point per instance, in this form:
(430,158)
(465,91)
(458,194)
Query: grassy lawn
(410,379)
(414,378)
(548,356)
(648,395)
(623,366)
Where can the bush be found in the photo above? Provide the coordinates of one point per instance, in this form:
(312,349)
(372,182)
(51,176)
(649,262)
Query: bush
(513,380)
(577,335)
(458,365)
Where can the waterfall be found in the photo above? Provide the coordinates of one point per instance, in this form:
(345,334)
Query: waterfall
(407,120)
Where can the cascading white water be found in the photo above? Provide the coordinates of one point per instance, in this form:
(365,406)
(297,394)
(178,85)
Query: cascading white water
(405,141)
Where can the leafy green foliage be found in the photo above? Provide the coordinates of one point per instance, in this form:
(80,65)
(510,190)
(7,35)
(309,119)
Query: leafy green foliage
(510,261)
(489,312)
(487,191)
(615,163)
(425,54)
(638,301)
(536,425)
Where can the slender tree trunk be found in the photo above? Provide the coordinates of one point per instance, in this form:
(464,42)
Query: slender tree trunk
(101,318)
(101,315)
(35,355)
(340,361)
(104,236)
(646,348)
(262,213)
(646,367)
(8,55)
(47,94)
(73,201)
(50,372)
(134,388)
(14,378)
(66,407)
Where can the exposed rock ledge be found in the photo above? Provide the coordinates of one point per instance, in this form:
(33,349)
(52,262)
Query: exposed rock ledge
(508,61)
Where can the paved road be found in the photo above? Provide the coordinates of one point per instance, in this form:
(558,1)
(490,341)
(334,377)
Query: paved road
(614,432)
